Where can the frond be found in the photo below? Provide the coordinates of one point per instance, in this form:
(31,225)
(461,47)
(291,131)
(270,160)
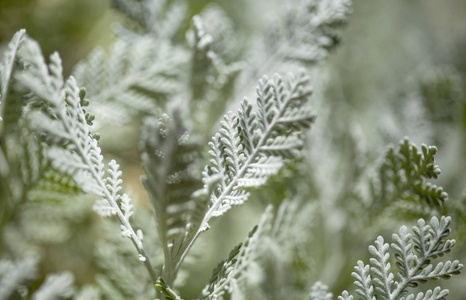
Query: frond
(261,267)
(363,281)
(413,253)
(241,263)
(22,153)
(74,150)
(208,68)
(313,31)
(139,74)
(247,151)
(161,18)
(404,176)
(237,163)
(301,36)
(211,79)
(169,159)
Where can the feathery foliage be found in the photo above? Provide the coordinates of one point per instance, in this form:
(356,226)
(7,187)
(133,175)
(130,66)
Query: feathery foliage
(74,151)
(169,159)
(18,169)
(50,159)
(252,146)
(403,179)
(246,152)
(414,253)
(301,36)
(212,78)
(241,264)
(268,249)
(138,76)
(161,18)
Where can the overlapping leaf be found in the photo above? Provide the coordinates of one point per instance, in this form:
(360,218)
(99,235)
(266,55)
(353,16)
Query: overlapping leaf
(161,18)
(414,253)
(231,274)
(10,109)
(252,146)
(302,35)
(170,159)
(135,79)
(404,175)
(74,150)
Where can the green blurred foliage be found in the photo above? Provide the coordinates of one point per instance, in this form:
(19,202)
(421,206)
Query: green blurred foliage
(71,27)
(386,44)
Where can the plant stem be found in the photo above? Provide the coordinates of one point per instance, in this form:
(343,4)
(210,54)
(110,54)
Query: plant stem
(133,236)
(240,174)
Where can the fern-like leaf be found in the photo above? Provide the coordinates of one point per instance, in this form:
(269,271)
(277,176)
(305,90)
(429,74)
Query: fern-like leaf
(203,59)
(383,278)
(265,257)
(161,18)
(245,153)
(414,254)
(22,159)
(303,36)
(233,272)
(242,147)
(363,281)
(169,159)
(211,78)
(403,179)
(139,74)
(74,150)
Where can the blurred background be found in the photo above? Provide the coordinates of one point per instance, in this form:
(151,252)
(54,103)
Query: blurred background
(385,49)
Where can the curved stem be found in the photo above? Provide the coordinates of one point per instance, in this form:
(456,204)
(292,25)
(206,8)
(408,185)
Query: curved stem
(240,174)
(124,221)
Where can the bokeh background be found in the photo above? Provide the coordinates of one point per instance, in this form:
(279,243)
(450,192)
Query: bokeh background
(384,48)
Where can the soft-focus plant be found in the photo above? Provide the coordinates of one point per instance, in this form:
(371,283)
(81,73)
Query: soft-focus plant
(205,148)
